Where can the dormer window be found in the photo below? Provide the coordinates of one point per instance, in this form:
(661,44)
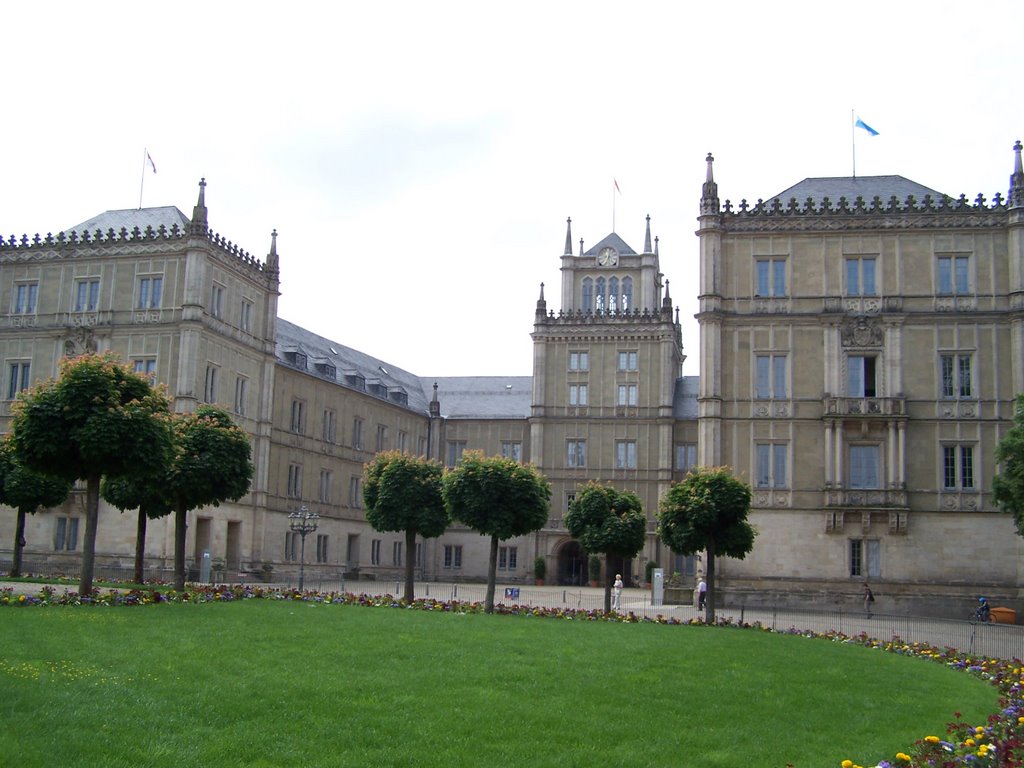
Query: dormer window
(295,358)
(355,381)
(325,368)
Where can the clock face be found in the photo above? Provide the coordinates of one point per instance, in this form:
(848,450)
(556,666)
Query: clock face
(607,257)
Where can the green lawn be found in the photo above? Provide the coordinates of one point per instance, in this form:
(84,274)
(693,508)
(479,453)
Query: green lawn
(281,683)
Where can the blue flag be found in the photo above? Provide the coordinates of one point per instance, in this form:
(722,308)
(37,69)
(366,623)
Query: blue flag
(861,124)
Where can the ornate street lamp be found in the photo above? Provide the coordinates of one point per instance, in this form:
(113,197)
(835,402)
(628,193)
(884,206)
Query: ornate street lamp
(303,522)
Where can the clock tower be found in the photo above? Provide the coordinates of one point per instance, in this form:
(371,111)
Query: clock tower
(606,366)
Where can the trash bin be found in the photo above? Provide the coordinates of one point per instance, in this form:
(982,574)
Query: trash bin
(1004,615)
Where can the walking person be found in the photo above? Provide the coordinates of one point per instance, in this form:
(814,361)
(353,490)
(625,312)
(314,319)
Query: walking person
(702,594)
(617,593)
(869,598)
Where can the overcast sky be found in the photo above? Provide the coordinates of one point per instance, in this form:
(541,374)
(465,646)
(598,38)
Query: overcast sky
(419,160)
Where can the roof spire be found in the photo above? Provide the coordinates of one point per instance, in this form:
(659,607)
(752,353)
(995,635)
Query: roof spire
(581,246)
(709,192)
(272,264)
(542,305)
(435,404)
(200,224)
(655,246)
(1017,179)
(568,237)
(647,237)
(666,301)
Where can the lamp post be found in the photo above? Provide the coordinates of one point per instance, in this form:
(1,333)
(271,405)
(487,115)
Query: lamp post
(303,522)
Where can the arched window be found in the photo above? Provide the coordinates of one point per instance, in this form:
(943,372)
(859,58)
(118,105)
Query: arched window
(627,294)
(588,295)
(599,298)
(613,295)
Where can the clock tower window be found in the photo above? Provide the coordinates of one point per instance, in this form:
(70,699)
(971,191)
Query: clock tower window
(627,294)
(599,298)
(613,295)
(588,295)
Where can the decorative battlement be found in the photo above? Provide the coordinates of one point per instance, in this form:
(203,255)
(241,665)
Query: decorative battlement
(15,245)
(602,316)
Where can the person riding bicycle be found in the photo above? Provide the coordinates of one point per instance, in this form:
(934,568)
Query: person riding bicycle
(984,612)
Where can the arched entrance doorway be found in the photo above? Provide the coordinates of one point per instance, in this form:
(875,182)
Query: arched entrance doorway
(572,564)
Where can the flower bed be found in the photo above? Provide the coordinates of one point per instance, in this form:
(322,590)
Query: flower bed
(998,742)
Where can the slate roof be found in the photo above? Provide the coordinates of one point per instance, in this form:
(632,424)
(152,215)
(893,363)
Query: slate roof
(484,397)
(613,240)
(293,338)
(835,187)
(129,218)
(684,398)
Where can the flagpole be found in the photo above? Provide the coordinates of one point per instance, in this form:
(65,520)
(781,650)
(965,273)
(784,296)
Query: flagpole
(853,142)
(145,154)
(613,205)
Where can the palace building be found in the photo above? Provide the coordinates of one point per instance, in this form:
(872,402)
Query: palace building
(861,346)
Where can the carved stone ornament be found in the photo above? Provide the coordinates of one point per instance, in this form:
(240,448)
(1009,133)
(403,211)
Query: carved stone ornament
(862,332)
(79,342)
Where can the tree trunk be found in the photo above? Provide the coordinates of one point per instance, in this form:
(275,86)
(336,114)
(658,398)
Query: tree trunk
(140,547)
(410,565)
(19,544)
(180,527)
(608,583)
(709,610)
(492,568)
(92,517)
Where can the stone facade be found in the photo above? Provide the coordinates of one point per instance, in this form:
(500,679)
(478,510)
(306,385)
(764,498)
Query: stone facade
(861,346)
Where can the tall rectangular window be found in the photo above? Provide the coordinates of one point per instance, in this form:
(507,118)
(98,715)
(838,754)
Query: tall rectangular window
(217,300)
(958,467)
(19,377)
(145,366)
(770,372)
(625,454)
(512,449)
(686,456)
(375,552)
(861,376)
(87,294)
(770,277)
(579,360)
(329,429)
(325,486)
(771,467)
(454,452)
(291,546)
(245,320)
(403,441)
(627,360)
(355,491)
(955,375)
(627,395)
(294,481)
(26,295)
(210,385)
(65,534)
(860,276)
(382,437)
(865,558)
(150,292)
(321,547)
(577,394)
(396,553)
(954,275)
(576,453)
(298,423)
(508,558)
(357,433)
(241,394)
(864,463)
(452,556)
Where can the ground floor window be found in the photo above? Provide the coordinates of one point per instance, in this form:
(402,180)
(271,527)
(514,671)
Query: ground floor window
(65,534)
(452,555)
(375,552)
(865,558)
(321,548)
(508,558)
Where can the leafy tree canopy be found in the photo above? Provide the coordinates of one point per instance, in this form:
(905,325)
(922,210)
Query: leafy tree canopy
(212,459)
(607,520)
(707,510)
(403,492)
(25,489)
(1008,484)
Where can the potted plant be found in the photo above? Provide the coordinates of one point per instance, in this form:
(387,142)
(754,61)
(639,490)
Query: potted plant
(540,567)
(594,566)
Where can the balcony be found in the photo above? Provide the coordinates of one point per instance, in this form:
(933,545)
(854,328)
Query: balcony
(860,407)
(862,498)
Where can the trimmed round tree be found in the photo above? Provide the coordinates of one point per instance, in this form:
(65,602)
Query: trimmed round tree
(1008,484)
(608,521)
(98,418)
(148,497)
(26,490)
(211,464)
(497,497)
(403,493)
(708,511)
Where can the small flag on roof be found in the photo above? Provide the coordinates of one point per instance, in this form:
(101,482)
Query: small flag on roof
(861,124)
(151,163)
